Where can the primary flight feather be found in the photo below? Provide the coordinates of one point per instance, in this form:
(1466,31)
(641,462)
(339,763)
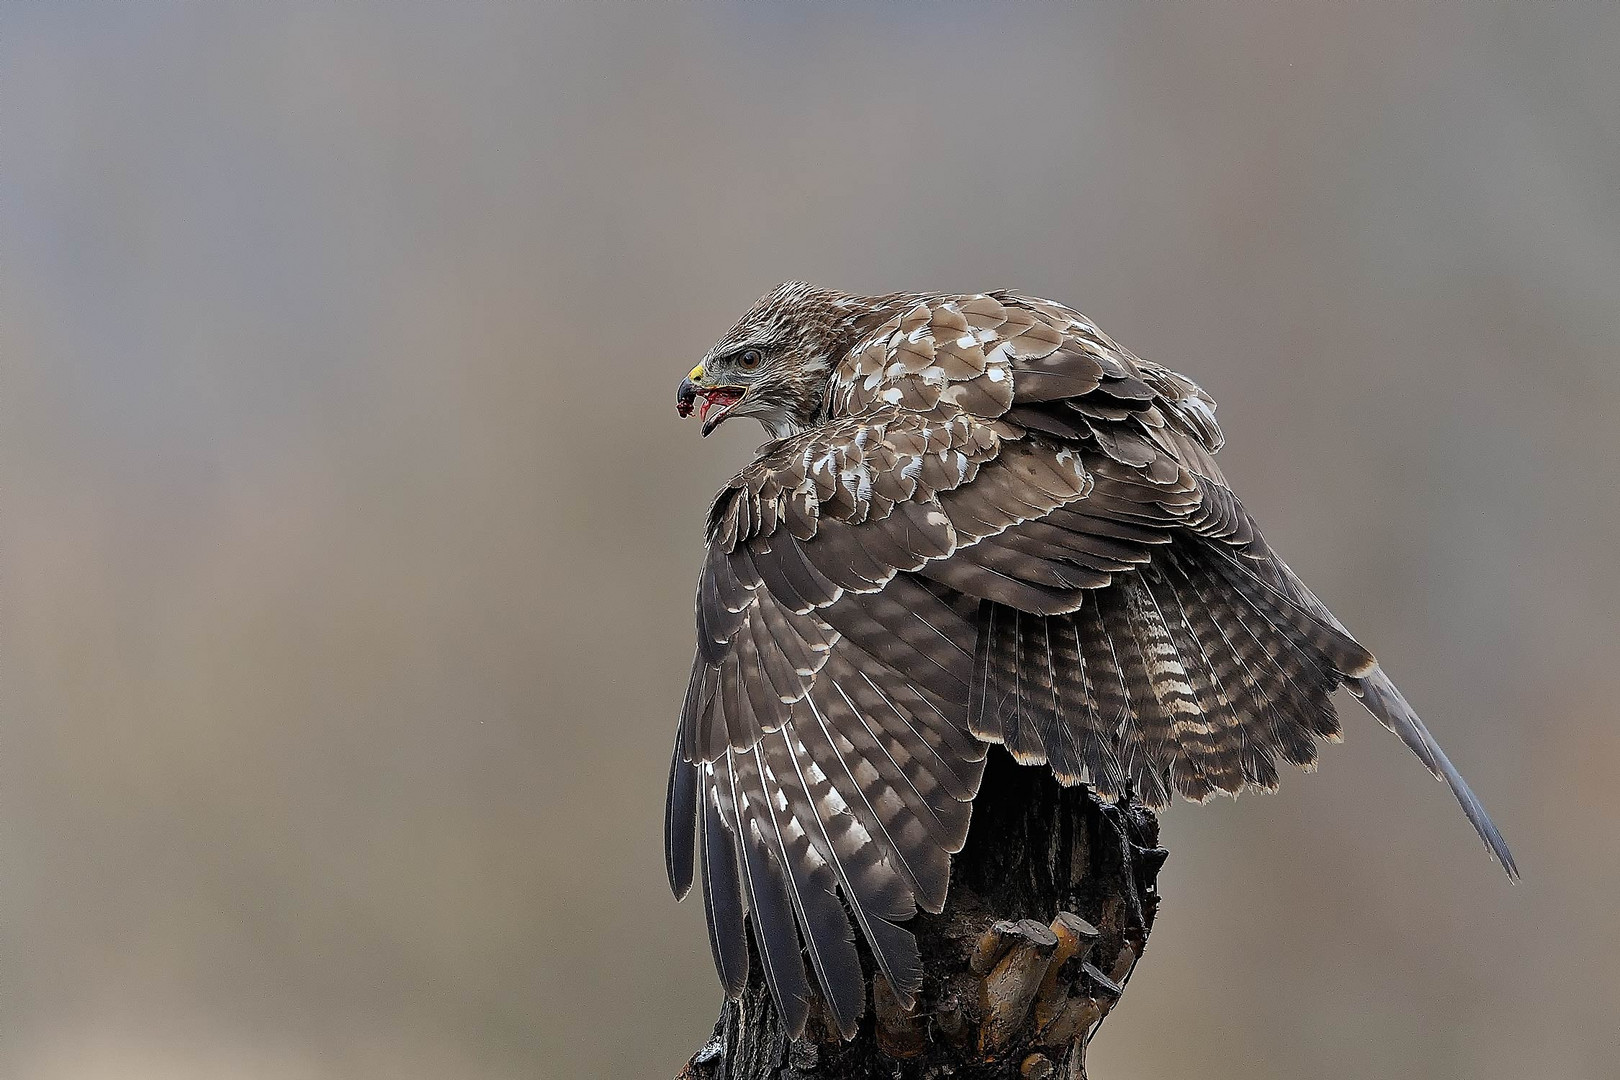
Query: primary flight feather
(979,521)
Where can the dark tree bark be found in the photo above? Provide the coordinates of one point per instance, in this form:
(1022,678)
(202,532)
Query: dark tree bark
(1050,907)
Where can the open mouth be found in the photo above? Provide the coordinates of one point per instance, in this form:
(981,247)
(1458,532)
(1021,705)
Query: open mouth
(719,400)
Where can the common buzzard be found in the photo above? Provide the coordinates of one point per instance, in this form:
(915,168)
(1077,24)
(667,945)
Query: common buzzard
(979,521)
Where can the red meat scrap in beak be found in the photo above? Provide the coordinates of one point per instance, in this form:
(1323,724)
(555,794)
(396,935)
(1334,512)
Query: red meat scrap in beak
(721,398)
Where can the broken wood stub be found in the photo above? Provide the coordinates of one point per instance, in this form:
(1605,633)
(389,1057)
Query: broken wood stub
(1050,907)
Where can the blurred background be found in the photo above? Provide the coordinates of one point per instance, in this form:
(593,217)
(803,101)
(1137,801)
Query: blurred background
(350,534)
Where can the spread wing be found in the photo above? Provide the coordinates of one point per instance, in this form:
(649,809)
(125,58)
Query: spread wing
(1011,531)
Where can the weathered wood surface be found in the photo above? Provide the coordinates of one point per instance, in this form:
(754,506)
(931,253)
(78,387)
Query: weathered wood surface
(1050,907)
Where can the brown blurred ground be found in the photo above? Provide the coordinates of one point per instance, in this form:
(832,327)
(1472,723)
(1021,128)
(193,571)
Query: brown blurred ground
(349,533)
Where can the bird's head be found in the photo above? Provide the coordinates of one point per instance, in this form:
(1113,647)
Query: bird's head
(775,363)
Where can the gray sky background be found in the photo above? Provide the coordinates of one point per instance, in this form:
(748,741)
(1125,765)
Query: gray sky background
(349,533)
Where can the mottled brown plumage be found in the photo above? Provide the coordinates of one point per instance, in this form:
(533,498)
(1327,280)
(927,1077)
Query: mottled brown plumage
(980,521)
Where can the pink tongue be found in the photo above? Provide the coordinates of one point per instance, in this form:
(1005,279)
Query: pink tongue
(703,412)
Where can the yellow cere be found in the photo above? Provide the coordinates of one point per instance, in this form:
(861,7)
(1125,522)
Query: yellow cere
(696,373)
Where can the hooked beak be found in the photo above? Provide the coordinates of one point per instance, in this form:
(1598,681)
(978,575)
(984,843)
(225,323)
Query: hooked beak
(723,398)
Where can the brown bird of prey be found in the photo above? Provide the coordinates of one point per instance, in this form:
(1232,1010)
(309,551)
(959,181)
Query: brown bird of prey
(979,521)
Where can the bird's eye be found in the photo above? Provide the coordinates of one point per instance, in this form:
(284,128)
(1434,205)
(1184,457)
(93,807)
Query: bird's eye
(749,359)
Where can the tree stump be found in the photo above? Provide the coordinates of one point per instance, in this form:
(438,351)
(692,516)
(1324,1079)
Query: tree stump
(1050,907)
